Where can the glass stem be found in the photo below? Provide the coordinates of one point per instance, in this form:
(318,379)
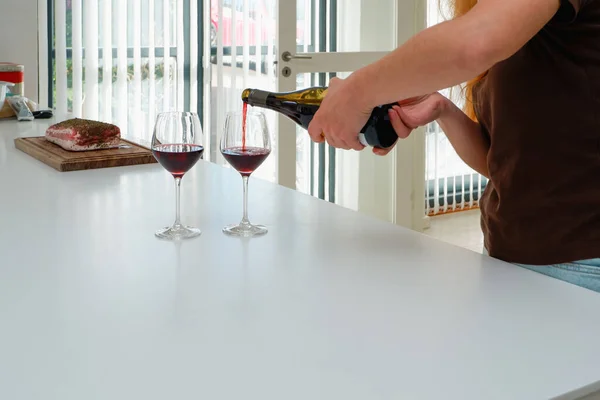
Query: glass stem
(177,223)
(245,220)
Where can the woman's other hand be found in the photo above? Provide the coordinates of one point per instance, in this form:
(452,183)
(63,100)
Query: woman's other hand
(412,113)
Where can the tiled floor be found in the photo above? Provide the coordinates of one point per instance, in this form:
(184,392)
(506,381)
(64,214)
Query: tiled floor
(461,229)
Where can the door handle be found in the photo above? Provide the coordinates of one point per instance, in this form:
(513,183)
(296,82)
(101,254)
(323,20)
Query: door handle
(287,57)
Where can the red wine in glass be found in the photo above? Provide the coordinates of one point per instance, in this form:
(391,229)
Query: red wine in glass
(245,145)
(178,158)
(177,144)
(245,160)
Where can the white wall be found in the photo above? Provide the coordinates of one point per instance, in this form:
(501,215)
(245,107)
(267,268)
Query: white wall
(19,39)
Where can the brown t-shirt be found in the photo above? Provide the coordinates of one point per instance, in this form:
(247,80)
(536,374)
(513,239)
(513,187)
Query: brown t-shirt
(541,111)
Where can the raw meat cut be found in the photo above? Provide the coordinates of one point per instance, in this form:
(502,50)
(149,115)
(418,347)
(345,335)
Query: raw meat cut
(82,134)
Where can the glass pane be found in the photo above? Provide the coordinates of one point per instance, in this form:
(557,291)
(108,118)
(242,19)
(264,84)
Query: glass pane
(243,37)
(450,184)
(317,172)
(133,99)
(345,25)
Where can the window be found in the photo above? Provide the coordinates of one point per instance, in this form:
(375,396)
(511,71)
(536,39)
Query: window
(124,61)
(450,184)
(244,54)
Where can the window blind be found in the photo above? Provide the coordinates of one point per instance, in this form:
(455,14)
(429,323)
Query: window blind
(123,61)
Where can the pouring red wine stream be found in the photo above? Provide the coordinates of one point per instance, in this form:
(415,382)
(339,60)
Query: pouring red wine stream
(244,117)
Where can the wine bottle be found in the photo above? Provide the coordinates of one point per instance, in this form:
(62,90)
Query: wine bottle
(301,106)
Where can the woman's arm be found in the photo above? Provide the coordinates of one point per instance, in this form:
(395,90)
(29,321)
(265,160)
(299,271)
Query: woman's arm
(439,57)
(455,51)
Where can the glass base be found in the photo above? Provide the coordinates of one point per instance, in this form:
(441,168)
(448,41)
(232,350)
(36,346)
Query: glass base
(243,230)
(178,233)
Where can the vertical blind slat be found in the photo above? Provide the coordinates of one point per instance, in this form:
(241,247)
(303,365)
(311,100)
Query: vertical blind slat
(122,92)
(426,177)
(464,192)
(180,56)
(234,75)
(61,57)
(445,178)
(478,188)
(77,52)
(166,55)
(271,54)
(454,193)
(151,64)
(194,56)
(472,190)
(258,35)
(205,84)
(90,15)
(247,36)
(107,60)
(137,60)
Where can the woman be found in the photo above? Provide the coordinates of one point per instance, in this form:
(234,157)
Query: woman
(531,122)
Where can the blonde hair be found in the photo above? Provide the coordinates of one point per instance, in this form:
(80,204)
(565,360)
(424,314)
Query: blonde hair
(457,9)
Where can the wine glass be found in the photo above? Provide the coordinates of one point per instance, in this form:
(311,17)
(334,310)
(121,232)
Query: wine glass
(245,145)
(177,144)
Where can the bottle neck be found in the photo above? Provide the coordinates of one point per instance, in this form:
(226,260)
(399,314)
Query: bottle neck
(258,98)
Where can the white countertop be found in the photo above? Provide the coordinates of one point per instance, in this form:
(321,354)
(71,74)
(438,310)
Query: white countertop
(329,305)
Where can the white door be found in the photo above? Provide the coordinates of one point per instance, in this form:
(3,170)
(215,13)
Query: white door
(335,38)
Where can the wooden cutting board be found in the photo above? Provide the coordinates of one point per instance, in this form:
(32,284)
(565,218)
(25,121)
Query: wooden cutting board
(62,160)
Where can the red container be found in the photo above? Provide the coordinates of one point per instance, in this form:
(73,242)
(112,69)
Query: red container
(13,73)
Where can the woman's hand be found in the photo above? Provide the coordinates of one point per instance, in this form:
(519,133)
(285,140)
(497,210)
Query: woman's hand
(465,135)
(341,116)
(410,114)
